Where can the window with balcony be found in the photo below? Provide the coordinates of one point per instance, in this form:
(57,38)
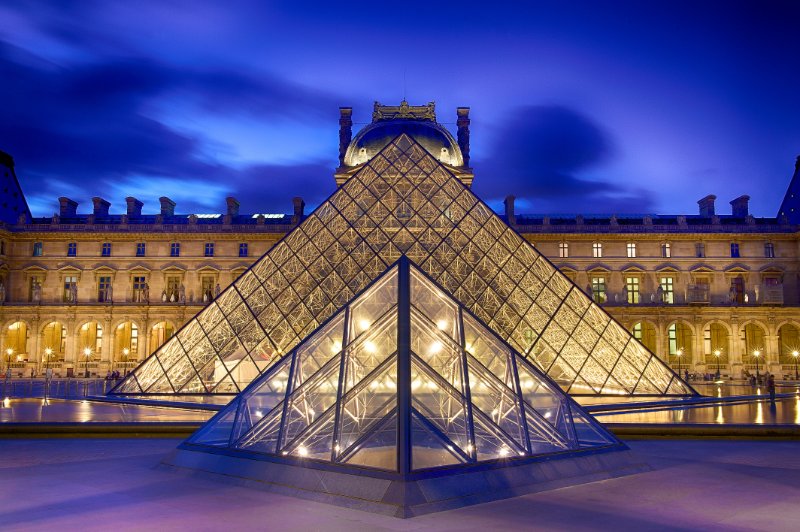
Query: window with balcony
(209,249)
(70,281)
(34,286)
(37,249)
(667,290)
(243,249)
(106,249)
(173,283)
(599,289)
(138,283)
(734,250)
(597,250)
(175,249)
(141,249)
(632,290)
(631,250)
(563,250)
(72,249)
(769,250)
(207,286)
(666,250)
(103,283)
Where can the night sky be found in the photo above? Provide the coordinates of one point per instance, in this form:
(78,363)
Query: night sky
(593,107)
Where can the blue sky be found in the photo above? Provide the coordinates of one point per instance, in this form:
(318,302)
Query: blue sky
(623,107)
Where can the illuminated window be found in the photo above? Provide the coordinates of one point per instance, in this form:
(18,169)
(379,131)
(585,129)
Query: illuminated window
(734,250)
(209,249)
(37,249)
(72,249)
(243,249)
(637,331)
(667,290)
(631,250)
(666,250)
(672,335)
(597,250)
(106,249)
(599,289)
(769,250)
(138,284)
(69,282)
(141,249)
(103,283)
(175,249)
(632,289)
(563,250)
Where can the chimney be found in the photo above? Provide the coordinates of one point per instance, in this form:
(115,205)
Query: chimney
(510,216)
(233,206)
(739,206)
(707,206)
(67,208)
(345,131)
(100,207)
(299,208)
(463,132)
(167,206)
(134,207)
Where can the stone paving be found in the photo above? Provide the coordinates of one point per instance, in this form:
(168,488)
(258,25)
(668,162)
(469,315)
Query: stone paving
(103,484)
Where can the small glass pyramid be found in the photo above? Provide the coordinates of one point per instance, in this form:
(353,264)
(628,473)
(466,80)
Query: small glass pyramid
(402,202)
(403,378)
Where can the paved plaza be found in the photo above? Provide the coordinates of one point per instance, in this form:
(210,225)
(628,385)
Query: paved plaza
(101,484)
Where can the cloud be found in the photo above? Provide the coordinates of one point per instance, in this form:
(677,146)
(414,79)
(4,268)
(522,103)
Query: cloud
(542,154)
(89,129)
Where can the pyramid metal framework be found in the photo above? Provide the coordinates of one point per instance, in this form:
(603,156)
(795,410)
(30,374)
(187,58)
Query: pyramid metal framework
(402,379)
(403,202)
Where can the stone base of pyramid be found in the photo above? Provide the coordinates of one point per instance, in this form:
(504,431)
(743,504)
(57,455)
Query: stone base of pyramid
(419,494)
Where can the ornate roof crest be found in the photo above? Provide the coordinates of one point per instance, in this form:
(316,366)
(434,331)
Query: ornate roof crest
(404,111)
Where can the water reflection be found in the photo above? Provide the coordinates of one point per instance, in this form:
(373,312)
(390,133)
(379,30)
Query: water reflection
(785,412)
(65,411)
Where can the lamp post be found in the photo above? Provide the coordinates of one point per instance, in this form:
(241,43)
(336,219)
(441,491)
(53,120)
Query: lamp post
(795,354)
(679,354)
(87,352)
(756,354)
(9,352)
(717,352)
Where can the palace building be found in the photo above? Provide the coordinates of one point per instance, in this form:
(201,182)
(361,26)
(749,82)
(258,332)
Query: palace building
(705,292)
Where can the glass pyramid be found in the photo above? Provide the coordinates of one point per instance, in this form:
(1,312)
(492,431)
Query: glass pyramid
(402,202)
(403,378)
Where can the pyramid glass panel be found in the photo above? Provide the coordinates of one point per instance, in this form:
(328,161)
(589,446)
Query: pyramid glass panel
(404,202)
(404,394)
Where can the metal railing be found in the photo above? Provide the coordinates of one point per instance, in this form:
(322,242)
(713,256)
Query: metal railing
(55,388)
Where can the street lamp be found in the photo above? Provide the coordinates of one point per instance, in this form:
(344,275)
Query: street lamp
(87,352)
(679,354)
(717,352)
(756,354)
(9,352)
(795,354)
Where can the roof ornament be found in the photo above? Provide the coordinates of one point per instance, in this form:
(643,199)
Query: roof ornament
(404,111)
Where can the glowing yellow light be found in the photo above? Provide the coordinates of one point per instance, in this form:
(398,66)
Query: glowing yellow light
(48,351)
(415,384)
(795,354)
(9,351)
(431,385)
(336,347)
(125,351)
(259,413)
(370,347)
(441,324)
(87,351)
(504,451)
(336,448)
(436,347)
(363,324)
(302,451)
(469,349)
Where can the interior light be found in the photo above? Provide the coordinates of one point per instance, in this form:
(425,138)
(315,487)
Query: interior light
(259,413)
(441,324)
(415,384)
(504,451)
(336,448)
(363,324)
(436,347)
(302,451)
(336,347)
(370,347)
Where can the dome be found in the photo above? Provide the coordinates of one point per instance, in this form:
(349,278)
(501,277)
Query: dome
(432,136)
